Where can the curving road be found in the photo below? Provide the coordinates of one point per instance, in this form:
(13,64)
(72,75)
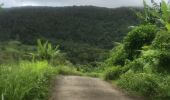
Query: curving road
(85,88)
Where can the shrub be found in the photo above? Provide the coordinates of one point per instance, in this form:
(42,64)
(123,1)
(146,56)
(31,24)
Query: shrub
(147,62)
(164,88)
(150,60)
(65,70)
(162,44)
(60,59)
(153,85)
(137,38)
(145,84)
(112,73)
(162,41)
(117,56)
(164,59)
(136,65)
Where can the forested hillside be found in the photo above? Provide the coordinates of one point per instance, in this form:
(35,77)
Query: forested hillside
(84,33)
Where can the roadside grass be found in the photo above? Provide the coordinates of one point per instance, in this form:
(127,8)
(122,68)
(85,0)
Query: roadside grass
(30,80)
(26,81)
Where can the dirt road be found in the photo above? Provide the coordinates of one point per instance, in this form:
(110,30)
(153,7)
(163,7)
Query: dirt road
(85,88)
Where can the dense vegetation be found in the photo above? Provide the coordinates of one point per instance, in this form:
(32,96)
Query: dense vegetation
(83,36)
(84,33)
(64,36)
(32,79)
(140,63)
(25,81)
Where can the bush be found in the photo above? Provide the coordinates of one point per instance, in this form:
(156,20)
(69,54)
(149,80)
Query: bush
(164,59)
(136,65)
(164,88)
(145,84)
(152,61)
(155,86)
(147,62)
(60,59)
(112,73)
(65,70)
(117,56)
(137,38)
(26,81)
(162,41)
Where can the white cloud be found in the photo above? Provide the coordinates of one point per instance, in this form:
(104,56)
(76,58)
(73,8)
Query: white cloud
(102,3)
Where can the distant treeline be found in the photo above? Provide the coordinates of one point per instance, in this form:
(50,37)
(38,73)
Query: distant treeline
(82,32)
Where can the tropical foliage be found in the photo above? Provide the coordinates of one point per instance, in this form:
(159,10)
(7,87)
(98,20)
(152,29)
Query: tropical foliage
(139,63)
(45,51)
(144,54)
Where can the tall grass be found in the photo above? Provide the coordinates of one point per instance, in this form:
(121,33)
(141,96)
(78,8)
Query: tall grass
(25,81)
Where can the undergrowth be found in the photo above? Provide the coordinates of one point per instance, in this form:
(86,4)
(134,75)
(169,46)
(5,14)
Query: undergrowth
(26,81)
(30,80)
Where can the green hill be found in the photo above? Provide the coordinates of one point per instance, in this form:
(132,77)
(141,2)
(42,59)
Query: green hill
(85,33)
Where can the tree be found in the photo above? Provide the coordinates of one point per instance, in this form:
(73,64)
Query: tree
(45,51)
(158,14)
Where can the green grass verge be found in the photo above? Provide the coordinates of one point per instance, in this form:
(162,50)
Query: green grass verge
(26,81)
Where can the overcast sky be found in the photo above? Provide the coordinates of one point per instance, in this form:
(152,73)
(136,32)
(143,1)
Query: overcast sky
(101,3)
